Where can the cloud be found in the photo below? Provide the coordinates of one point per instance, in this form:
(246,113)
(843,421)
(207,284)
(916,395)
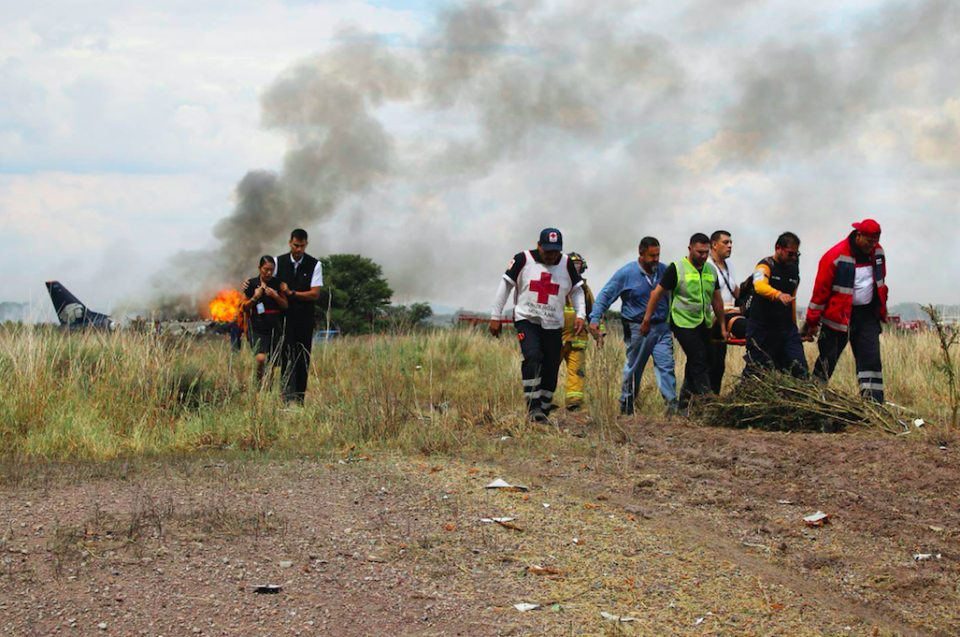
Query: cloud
(67,226)
(937,142)
(440,142)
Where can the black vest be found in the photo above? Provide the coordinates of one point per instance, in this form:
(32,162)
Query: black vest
(783,278)
(298,283)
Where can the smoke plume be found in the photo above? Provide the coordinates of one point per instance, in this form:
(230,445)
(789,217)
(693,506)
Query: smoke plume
(442,157)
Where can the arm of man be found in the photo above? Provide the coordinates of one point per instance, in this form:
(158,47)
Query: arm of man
(499,301)
(654,301)
(718,312)
(507,283)
(761,283)
(316,283)
(310,295)
(610,291)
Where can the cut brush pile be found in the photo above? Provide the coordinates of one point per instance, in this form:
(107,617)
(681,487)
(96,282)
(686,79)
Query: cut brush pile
(779,402)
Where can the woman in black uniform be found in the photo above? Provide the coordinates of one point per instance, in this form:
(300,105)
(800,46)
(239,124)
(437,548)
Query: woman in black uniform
(266,300)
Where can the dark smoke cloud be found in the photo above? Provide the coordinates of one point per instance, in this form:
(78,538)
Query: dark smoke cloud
(439,160)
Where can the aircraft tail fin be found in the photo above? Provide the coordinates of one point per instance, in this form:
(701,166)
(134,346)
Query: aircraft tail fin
(69,309)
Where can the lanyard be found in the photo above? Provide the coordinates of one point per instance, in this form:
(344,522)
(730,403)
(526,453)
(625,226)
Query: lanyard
(723,275)
(650,280)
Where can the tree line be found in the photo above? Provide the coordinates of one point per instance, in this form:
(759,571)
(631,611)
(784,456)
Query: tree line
(356,296)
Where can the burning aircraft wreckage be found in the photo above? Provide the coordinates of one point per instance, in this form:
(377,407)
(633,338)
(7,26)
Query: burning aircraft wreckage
(219,315)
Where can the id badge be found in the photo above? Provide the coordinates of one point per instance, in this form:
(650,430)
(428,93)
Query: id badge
(260,308)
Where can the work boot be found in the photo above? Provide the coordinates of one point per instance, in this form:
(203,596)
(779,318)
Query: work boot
(549,408)
(574,406)
(626,408)
(537,415)
(673,409)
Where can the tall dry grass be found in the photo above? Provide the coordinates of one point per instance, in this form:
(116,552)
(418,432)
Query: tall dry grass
(100,395)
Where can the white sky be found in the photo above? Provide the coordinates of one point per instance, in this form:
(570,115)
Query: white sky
(124,128)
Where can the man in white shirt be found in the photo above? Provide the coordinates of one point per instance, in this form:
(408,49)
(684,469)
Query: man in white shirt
(721,247)
(540,280)
(303,276)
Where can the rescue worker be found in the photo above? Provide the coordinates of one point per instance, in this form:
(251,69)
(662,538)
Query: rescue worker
(575,345)
(850,300)
(773,341)
(695,301)
(540,279)
(721,247)
(633,284)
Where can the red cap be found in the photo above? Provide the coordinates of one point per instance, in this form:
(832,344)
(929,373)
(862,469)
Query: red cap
(868,226)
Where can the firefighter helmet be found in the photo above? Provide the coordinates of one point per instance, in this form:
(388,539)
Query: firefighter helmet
(575,256)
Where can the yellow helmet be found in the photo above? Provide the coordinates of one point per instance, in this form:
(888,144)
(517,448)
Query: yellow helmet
(575,256)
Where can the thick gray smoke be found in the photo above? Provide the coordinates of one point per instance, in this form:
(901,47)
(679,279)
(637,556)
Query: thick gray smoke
(441,159)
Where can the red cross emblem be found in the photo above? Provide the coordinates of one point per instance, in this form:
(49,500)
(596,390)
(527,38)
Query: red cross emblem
(544,288)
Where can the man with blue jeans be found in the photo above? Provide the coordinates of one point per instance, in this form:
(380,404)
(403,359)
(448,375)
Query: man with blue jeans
(632,284)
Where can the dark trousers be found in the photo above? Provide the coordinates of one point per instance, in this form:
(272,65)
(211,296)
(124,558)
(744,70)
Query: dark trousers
(541,363)
(718,365)
(695,343)
(775,347)
(864,338)
(295,357)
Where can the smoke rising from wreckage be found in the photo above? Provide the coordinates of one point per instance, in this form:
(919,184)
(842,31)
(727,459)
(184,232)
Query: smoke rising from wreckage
(510,92)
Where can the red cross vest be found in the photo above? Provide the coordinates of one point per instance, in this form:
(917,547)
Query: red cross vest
(541,292)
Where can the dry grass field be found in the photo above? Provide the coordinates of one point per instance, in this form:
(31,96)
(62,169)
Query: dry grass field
(96,396)
(148,486)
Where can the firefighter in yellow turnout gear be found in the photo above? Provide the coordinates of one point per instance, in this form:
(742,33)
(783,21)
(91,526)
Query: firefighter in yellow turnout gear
(575,347)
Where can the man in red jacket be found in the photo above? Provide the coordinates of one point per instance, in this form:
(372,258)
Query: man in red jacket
(850,300)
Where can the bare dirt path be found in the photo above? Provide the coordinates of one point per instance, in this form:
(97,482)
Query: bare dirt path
(681,529)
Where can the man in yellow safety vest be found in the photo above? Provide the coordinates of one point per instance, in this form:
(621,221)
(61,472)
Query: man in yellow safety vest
(695,302)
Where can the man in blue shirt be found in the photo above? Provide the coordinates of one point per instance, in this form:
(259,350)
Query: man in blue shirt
(632,284)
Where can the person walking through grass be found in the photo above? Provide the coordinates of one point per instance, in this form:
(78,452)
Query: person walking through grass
(540,279)
(721,247)
(773,342)
(303,275)
(850,300)
(633,284)
(266,302)
(695,302)
(574,352)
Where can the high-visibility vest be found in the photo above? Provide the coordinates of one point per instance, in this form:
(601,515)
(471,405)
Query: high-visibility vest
(692,298)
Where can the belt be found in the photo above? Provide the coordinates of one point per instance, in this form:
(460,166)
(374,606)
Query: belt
(652,321)
(270,312)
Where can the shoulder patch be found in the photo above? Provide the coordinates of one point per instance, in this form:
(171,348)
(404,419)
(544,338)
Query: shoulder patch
(511,264)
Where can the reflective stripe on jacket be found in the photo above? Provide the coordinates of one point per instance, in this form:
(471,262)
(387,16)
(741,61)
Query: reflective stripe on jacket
(693,297)
(832,300)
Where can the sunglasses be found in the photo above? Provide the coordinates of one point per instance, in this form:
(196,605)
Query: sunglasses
(792,253)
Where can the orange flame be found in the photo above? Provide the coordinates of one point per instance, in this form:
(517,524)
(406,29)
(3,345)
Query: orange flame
(226,305)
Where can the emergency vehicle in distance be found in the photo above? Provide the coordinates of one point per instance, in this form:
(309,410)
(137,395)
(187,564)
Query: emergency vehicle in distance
(73,314)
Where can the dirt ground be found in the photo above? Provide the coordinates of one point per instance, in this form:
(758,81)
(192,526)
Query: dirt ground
(680,530)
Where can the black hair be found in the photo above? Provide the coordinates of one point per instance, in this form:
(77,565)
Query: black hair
(717,234)
(266,259)
(699,238)
(787,239)
(648,242)
(299,234)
